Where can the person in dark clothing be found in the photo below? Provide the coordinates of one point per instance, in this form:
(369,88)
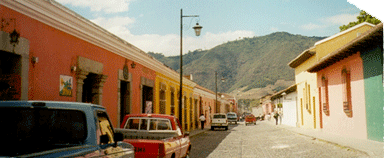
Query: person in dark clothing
(202,120)
(276,115)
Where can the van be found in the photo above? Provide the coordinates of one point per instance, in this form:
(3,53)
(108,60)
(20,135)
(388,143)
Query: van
(232,117)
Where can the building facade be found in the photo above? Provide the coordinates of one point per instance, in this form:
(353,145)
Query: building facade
(350,81)
(310,115)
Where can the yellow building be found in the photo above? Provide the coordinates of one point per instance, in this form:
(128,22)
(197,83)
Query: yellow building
(308,105)
(167,102)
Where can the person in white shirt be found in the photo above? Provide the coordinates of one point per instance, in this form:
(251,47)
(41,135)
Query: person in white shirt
(202,120)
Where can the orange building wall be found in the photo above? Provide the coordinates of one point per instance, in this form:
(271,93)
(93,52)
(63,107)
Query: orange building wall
(57,51)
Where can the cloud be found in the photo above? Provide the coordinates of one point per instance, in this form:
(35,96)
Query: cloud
(274,29)
(111,23)
(341,19)
(169,44)
(108,6)
(311,26)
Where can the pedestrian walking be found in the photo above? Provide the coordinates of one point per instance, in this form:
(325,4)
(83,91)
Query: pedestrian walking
(276,115)
(280,116)
(202,120)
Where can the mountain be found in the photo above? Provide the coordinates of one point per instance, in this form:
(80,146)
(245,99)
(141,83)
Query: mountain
(258,63)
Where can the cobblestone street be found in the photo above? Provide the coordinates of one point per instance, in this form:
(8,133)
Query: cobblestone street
(263,140)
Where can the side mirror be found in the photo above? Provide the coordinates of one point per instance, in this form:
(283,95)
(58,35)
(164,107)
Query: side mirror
(186,134)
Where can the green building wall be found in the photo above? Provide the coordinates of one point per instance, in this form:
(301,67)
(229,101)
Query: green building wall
(374,92)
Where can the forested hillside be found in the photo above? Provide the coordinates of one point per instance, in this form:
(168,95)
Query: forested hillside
(245,64)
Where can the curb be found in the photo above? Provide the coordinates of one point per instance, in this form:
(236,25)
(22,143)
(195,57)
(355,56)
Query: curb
(192,135)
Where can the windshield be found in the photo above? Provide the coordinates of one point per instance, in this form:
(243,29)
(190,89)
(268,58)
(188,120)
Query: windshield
(219,116)
(231,115)
(30,130)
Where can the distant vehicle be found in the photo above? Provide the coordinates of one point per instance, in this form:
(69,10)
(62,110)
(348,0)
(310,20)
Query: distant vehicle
(250,119)
(58,129)
(232,117)
(155,135)
(219,120)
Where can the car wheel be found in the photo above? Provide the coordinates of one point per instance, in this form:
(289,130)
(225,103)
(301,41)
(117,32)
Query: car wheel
(226,128)
(235,122)
(255,123)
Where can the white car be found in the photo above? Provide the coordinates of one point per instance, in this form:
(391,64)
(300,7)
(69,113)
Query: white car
(219,120)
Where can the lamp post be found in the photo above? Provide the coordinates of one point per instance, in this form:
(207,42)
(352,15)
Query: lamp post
(216,89)
(197,29)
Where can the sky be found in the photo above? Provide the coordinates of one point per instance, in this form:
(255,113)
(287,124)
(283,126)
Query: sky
(154,25)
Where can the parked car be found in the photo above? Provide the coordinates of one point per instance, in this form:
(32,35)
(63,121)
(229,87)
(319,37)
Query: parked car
(219,120)
(58,129)
(155,135)
(232,117)
(250,119)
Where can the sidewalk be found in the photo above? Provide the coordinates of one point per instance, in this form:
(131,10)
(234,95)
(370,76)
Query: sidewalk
(372,148)
(198,131)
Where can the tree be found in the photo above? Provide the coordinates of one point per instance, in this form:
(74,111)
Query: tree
(362,17)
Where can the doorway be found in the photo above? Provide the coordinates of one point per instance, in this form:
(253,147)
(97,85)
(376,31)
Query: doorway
(125,99)
(90,89)
(147,96)
(10,76)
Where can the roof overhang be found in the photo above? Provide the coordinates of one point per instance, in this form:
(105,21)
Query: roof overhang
(368,39)
(288,90)
(305,55)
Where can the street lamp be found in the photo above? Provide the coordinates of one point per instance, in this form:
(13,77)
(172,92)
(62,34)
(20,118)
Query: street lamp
(216,90)
(197,31)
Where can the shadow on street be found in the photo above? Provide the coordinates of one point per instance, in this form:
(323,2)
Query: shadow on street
(205,143)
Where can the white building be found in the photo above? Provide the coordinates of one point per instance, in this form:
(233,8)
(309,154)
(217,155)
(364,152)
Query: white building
(257,111)
(288,99)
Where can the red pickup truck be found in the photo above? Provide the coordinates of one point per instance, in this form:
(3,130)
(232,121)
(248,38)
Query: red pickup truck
(250,119)
(155,135)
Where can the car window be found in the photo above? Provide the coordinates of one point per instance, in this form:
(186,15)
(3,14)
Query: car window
(132,123)
(105,126)
(164,124)
(45,129)
(219,116)
(143,124)
(178,129)
(153,124)
(231,115)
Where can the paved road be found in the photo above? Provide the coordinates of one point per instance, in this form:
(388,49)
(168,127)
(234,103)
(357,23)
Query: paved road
(263,140)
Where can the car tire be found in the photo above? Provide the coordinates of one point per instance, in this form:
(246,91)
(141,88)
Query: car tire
(255,123)
(235,122)
(226,128)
